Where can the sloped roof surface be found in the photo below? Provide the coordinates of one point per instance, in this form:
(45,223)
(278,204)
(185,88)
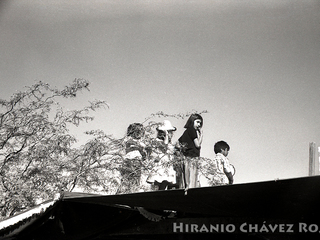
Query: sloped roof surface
(90,216)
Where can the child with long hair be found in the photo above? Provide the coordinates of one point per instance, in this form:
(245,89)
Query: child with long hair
(190,143)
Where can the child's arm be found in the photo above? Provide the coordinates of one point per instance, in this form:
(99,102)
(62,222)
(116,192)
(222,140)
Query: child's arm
(198,140)
(166,137)
(230,177)
(227,171)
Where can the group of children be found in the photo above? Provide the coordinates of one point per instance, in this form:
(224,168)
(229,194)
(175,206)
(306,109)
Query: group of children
(173,166)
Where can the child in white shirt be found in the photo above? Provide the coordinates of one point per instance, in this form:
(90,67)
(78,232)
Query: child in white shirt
(217,171)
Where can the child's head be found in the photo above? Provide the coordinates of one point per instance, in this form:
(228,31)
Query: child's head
(166,126)
(221,147)
(191,121)
(135,130)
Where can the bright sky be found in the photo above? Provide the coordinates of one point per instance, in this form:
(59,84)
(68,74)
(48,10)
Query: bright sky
(253,65)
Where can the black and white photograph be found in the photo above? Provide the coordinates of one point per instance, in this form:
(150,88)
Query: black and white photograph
(159,119)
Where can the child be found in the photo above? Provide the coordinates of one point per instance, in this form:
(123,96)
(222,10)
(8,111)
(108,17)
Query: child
(133,177)
(163,175)
(190,141)
(134,146)
(225,170)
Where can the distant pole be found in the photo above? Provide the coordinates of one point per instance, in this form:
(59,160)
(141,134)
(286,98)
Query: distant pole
(313,162)
(318,168)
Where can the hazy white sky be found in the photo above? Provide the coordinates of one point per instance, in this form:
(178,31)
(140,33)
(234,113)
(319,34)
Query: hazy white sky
(253,65)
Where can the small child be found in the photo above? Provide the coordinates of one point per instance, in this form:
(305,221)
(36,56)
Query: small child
(132,171)
(134,146)
(163,175)
(224,168)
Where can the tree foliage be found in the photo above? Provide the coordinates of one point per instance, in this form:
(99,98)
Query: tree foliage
(38,158)
(35,145)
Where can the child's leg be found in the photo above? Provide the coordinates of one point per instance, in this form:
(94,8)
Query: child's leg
(187,173)
(163,185)
(173,185)
(193,175)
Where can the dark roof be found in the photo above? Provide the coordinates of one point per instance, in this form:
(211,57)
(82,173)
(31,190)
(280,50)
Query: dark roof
(163,214)
(228,200)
